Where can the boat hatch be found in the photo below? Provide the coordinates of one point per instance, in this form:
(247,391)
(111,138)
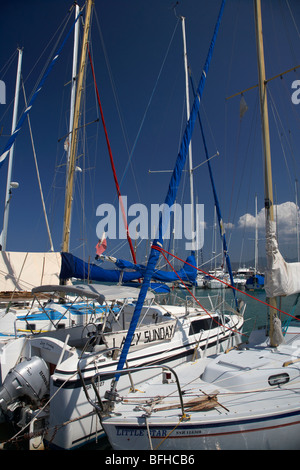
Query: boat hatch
(278,379)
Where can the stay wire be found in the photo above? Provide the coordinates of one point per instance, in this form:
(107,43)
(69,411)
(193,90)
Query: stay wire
(161,250)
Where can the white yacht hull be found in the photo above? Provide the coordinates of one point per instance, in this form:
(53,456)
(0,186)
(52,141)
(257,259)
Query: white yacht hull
(69,402)
(243,400)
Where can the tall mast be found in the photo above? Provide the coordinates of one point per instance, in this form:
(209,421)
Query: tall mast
(11,155)
(193,233)
(256,239)
(269,210)
(74,141)
(297,221)
(190,146)
(73,84)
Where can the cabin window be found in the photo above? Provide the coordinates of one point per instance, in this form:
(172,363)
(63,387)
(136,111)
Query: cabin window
(205,324)
(278,379)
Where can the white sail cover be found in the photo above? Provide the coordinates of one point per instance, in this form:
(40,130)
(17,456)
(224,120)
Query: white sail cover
(281,278)
(21,271)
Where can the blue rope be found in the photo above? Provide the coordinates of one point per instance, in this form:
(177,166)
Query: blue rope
(170,198)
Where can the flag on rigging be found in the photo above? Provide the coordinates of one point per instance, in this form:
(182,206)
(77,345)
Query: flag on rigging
(243,107)
(101,246)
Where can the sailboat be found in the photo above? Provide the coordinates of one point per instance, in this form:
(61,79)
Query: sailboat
(245,399)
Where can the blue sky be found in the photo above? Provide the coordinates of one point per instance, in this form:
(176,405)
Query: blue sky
(137,52)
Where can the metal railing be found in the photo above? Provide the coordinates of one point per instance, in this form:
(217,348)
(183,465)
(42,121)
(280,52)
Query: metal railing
(100,408)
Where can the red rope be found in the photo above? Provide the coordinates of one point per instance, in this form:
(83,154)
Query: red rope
(229,285)
(206,311)
(112,162)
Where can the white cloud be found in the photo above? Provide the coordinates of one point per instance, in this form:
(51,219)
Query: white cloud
(228,225)
(285,215)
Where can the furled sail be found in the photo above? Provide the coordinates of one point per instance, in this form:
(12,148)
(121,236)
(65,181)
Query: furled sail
(281,278)
(71,266)
(187,273)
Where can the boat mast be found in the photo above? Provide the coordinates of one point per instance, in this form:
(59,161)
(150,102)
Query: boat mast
(9,184)
(297,221)
(269,209)
(187,94)
(74,140)
(73,85)
(256,239)
(190,146)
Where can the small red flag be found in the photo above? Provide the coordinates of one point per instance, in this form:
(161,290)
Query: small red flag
(101,245)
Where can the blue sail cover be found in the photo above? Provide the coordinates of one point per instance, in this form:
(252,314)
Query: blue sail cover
(257,281)
(187,273)
(71,266)
(170,199)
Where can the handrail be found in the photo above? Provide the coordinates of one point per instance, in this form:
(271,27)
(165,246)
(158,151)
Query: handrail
(100,408)
(97,353)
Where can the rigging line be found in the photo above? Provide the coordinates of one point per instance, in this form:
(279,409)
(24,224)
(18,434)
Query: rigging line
(8,64)
(292,16)
(112,84)
(124,132)
(64,23)
(160,249)
(150,100)
(13,137)
(284,19)
(91,175)
(273,107)
(38,173)
(195,298)
(287,89)
(117,102)
(112,160)
(251,140)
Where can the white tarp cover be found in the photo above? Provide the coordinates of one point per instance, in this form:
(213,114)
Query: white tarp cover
(281,278)
(21,271)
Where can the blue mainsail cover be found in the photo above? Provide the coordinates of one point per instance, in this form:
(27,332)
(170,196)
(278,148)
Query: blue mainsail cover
(71,266)
(257,281)
(187,273)
(170,199)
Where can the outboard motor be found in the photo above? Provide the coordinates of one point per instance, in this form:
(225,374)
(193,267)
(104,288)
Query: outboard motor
(30,378)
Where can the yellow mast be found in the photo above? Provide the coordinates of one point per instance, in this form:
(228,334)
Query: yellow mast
(74,139)
(269,210)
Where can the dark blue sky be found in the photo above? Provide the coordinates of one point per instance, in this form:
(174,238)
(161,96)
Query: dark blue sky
(146,80)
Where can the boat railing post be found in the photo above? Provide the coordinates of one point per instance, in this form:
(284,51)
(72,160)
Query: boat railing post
(101,375)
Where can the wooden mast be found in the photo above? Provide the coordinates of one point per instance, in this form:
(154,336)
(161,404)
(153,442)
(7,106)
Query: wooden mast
(269,210)
(74,135)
